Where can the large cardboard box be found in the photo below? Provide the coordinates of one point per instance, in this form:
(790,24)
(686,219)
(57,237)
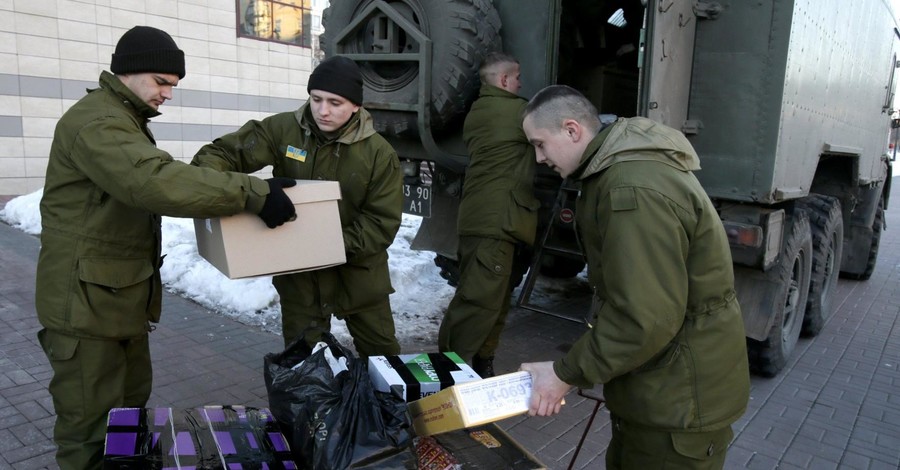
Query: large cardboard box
(196,438)
(243,246)
(419,375)
(472,404)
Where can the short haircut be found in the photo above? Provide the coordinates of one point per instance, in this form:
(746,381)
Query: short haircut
(556,103)
(495,63)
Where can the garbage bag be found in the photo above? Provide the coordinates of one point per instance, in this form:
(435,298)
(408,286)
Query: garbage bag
(333,421)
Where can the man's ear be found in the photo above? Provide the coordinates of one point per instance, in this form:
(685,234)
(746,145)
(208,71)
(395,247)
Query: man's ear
(504,79)
(573,129)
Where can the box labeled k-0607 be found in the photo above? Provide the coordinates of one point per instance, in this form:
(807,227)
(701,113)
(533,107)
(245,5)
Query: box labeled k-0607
(472,404)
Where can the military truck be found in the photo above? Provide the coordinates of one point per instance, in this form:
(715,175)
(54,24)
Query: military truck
(787,102)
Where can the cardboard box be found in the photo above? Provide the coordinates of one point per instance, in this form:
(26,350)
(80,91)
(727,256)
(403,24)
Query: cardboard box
(484,447)
(472,404)
(196,438)
(419,375)
(243,246)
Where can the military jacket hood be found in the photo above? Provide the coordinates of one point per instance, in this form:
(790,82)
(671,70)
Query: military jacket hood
(636,139)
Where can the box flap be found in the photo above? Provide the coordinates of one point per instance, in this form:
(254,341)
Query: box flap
(307,191)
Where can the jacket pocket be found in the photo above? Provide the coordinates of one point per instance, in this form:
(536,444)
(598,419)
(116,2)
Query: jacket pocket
(521,221)
(113,297)
(363,284)
(660,393)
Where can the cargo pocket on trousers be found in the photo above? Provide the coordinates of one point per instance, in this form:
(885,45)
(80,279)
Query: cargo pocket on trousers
(481,285)
(113,298)
(57,347)
(702,446)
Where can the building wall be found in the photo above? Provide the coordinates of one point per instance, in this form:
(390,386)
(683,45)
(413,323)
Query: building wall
(52,50)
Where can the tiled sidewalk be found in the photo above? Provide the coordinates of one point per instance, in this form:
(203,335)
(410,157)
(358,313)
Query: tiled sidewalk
(837,405)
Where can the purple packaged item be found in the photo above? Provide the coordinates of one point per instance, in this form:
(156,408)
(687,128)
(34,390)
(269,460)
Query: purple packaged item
(211,437)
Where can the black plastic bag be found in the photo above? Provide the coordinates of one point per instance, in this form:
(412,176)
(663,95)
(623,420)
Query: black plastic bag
(334,422)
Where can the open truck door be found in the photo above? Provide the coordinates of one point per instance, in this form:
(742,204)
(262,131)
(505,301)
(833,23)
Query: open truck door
(666,63)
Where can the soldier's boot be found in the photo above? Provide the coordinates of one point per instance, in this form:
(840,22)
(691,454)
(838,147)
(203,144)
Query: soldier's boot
(483,366)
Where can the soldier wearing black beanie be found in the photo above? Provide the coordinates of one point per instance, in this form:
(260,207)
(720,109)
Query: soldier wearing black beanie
(146,49)
(338,75)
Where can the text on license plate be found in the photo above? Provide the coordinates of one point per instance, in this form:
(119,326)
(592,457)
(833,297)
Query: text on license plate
(417,200)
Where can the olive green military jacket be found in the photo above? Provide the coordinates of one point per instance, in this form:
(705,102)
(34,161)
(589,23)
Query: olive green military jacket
(668,339)
(368,171)
(498,200)
(106,184)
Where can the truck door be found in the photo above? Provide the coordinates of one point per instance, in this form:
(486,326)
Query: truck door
(530,33)
(668,53)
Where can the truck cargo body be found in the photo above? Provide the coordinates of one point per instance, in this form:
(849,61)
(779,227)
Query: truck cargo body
(787,102)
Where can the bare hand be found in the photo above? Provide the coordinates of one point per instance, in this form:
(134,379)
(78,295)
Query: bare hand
(547,390)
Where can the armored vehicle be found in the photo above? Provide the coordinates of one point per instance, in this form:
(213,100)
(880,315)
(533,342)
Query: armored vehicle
(787,102)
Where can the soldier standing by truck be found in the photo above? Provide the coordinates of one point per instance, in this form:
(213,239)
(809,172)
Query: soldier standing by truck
(331,138)
(498,211)
(667,341)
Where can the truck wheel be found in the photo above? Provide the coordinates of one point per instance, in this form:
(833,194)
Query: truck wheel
(462,33)
(828,242)
(788,290)
(877,225)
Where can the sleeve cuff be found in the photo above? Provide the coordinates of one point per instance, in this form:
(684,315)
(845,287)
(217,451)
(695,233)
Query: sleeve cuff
(257,191)
(569,374)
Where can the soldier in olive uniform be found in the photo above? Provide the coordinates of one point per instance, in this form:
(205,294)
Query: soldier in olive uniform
(497,211)
(331,137)
(98,283)
(667,341)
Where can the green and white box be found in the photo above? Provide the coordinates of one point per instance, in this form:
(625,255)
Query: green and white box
(419,375)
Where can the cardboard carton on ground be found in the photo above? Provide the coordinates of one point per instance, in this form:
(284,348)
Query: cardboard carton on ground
(484,447)
(419,375)
(195,438)
(242,245)
(472,404)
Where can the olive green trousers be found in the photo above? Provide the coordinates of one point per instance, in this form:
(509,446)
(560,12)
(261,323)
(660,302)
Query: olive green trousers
(633,447)
(90,377)
(372,329)
(477,313)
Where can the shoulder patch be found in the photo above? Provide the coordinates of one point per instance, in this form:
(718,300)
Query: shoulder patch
(623,199)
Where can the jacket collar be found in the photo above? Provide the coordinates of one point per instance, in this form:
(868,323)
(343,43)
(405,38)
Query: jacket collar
(491,90)
(110,82)
(360,126)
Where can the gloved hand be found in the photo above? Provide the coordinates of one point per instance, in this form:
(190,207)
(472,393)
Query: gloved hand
(278,207)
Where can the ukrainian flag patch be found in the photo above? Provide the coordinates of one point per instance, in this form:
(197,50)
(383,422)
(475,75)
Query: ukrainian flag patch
(295,153)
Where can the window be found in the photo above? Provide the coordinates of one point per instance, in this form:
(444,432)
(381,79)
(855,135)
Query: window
(287,21)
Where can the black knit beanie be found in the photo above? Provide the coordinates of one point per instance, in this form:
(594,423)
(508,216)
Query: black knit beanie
(144,49)
(338,75)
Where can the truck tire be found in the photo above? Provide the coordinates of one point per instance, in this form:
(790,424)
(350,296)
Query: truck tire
(828,241)
(462,33)
(877,226)
(788,291)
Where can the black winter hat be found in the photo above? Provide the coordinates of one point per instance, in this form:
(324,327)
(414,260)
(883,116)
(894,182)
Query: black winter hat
(338,75)
(144,49)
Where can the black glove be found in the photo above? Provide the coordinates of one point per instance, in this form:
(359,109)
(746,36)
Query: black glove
(278,207)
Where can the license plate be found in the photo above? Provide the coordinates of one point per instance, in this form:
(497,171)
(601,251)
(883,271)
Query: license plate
(417,200)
